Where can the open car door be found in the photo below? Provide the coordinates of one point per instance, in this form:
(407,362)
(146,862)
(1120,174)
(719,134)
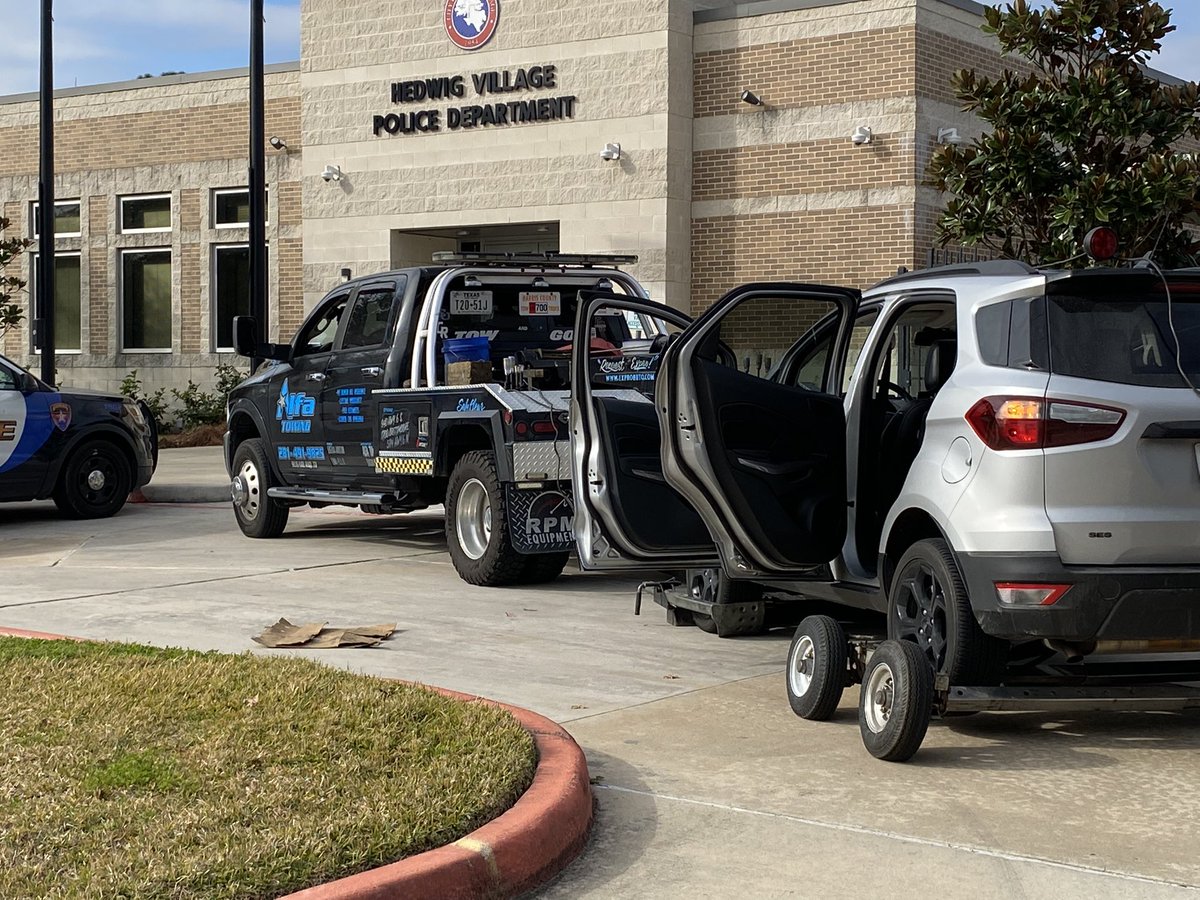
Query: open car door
(762,461)
(626,514)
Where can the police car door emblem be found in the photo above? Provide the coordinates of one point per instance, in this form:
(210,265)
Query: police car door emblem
(471,23)
(60,415)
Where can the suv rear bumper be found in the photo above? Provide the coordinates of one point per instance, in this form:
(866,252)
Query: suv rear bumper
(1105,602)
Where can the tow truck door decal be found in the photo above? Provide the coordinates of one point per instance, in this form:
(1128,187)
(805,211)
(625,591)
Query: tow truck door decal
(24,426)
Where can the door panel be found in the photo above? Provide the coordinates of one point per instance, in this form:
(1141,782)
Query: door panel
(626,514)
(763,463)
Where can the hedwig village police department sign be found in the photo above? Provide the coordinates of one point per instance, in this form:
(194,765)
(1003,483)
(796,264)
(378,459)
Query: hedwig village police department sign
(494,87)
(471,23)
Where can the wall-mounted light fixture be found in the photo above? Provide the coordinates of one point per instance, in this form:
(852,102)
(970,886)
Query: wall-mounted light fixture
(332,173)
(862,135)
(347,274)
(611,152)
(948,136)
(277,142)
(752,98)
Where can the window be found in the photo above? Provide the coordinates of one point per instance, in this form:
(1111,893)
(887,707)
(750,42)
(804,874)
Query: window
(231,208)
(8,379)
(230,291)
(148,213)
(66,218)
(368,323)
(903,368)
(756,334)
(318,335)
(67,299)
(146,300)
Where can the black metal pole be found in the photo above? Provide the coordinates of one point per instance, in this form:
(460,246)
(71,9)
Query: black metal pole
(43,325)
(259,307)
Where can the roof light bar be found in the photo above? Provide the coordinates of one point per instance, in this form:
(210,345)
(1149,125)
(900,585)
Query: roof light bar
(535,259)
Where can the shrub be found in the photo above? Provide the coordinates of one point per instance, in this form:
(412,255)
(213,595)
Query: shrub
(131,387)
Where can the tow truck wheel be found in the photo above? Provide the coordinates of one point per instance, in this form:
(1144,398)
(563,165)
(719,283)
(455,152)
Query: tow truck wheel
(94,483)
(542,568)
(257,514)
(896,701)
(816,668)
(477,524)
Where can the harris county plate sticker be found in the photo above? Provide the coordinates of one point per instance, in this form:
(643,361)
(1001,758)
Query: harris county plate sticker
(470,23)
(540,303)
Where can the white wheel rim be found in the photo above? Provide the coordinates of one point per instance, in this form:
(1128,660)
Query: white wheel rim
(880,696)
(801,666)
(251,499)
(473,519)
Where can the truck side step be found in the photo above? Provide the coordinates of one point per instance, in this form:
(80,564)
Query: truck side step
(308,495)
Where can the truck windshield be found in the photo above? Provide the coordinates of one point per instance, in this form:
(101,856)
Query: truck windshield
(1118,330)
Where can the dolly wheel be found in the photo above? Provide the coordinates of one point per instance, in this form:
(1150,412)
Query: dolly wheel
(896,701)
(816,668)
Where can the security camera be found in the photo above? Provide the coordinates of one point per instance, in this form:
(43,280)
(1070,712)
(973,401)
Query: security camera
(752,98)
(332,173)
(611,152)
(277,143)
(862,135)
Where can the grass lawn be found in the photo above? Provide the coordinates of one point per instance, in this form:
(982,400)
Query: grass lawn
(130,771)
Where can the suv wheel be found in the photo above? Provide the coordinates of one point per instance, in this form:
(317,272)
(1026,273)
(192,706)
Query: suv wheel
(94,483)
(257,514)
(928,605)
(477,524)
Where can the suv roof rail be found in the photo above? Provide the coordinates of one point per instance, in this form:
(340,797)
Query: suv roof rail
(535,259)
(983,267)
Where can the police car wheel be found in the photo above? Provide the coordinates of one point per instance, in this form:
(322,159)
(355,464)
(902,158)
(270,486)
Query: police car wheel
(477,524)
(95,482)
(257,514)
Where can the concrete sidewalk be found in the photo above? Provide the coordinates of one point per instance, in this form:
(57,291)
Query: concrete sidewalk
(189,475)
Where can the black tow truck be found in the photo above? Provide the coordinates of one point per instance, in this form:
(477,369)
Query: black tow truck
(357,410)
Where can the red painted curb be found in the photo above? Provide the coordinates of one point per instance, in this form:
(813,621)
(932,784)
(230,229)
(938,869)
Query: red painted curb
(514,853)
(39,635)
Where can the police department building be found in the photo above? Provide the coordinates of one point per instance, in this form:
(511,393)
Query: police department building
(720,142)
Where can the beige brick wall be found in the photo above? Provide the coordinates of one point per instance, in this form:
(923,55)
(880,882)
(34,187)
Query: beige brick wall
(291,285)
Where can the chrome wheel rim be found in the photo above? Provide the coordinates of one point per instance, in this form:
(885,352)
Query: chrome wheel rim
(880,692)
(473,519)
(801,666)
(249,498)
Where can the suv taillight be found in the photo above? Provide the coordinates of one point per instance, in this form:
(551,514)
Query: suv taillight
(1031,423)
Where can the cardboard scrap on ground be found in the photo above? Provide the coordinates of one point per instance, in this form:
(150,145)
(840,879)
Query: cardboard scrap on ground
(315,636)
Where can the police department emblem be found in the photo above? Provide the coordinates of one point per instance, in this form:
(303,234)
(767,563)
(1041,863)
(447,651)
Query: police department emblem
(471,23)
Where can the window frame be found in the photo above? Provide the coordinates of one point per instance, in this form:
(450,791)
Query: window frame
(121,254)
(33,218)
(220,192)
(33,270)
(121,229)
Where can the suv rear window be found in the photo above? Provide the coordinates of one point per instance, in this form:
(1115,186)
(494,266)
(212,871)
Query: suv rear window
(1118,330)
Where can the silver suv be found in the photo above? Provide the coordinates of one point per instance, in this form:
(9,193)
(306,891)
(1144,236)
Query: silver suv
(1004,461)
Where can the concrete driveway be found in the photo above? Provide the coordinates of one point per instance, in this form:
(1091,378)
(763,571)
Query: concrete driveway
(707,785)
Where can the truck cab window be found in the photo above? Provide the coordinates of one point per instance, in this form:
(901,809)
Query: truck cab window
(318,335)
(369,317)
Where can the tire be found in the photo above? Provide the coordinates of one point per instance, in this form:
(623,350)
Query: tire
(816,668)
(95,481)
(928,606)
(896,701)
(257,514)
(477,524)
(542,568)
(712,586)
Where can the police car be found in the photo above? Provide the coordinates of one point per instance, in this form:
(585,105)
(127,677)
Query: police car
(84,449)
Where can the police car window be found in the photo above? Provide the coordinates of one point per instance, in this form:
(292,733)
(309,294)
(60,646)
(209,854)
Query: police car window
(8,380)
(318,335)
(367,325)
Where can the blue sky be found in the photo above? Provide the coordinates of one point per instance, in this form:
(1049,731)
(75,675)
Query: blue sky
(116,40)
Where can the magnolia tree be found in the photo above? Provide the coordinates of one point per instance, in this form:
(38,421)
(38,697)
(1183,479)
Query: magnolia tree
(1083,136)
(11,312)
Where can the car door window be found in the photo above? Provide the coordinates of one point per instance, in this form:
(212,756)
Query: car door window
(8,379)
(901,369)
(319,333)
(369,317)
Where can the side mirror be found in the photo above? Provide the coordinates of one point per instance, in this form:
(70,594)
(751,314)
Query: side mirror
(245,341)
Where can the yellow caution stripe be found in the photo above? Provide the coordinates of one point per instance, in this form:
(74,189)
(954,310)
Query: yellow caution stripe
(392,465)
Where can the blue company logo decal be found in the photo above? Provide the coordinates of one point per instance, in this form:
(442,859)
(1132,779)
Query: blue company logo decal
(470,404)
(293,410)
(350,400)
(471,23)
